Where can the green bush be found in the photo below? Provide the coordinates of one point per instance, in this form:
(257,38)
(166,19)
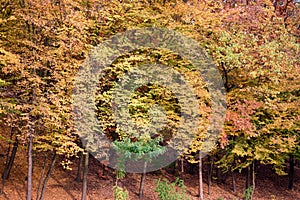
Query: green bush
(120,193)
(171,191)
(248,193)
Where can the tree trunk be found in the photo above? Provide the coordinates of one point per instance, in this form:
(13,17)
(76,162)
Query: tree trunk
(233,181)
(78,177)
(48,176)
(5,171)
(176,171)
(12,157)
(250,181)
(85,173)
(181,167)
(225,72)
(200,178)
(248,178)
(209,174)
(291,172)
(29,176)
(4,174)
(141,192)
(253,179)
(41,179)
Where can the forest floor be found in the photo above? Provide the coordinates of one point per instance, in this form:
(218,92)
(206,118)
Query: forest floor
(62,184)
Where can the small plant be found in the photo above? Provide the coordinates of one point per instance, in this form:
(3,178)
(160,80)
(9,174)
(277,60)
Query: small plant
(120,193)
(171,191)
(120,174)
(248,193)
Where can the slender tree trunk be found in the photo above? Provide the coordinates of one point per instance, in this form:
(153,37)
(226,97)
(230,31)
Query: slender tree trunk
(78,177)
(233,181)
(4,174)
(48,176)
(12,157)
(253,179)
(85,174)
(5,171)
(141,192)
(248,178)
(291,172)
(219,173)
(209,174)
(175,169)
(181,168)
(41,179)
(7,155)
(225,72)
(31,124)
(29,178)
(200,178)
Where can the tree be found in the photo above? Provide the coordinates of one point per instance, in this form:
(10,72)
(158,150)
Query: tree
(144,149)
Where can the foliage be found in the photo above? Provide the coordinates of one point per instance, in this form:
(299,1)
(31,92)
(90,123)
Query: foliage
(120,193)
(256,47)
(248,193)
(171,191)
(143,98)
(126,150)
(256,62)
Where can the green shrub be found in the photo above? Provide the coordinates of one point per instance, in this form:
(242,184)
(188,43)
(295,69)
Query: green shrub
(171,191)
(248,193)
(120,193)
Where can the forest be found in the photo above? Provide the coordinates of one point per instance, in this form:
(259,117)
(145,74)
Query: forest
(218,117)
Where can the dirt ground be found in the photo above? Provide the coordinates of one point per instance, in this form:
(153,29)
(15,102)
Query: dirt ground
(62,184)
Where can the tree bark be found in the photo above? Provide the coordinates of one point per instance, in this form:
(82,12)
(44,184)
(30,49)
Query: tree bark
(291,172)
(48,176)
(233,182)
(253,179)
(29,176)
(200,178)
(12,157)
(78,177)
(181,167)
(41,179)
(226,76)
(31,125)
(209,174)
(175,168)
(141,192)
(248,178)
(85,173)
(5,171)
